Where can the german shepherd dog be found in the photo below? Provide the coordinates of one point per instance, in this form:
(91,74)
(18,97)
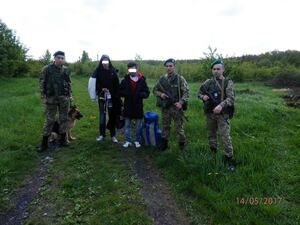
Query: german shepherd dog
(73,115)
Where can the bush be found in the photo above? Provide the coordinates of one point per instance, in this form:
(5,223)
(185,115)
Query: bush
(12,53)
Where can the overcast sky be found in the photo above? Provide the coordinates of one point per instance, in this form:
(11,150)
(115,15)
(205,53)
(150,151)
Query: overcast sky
(154,29)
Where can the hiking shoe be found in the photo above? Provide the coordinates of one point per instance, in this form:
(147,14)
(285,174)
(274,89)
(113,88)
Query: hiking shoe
(126,144)
(137,144)
(114,139)
(100,138)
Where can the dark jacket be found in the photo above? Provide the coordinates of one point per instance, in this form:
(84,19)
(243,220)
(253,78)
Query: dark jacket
(133,100)
(109,79)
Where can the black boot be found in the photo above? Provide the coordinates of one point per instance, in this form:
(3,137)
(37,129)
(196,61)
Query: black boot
(44,146)
(164,144)
(181,145)
(230,162)
(213,149)
(63,140)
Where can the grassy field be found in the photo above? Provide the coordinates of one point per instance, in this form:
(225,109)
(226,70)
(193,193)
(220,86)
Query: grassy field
(89,183)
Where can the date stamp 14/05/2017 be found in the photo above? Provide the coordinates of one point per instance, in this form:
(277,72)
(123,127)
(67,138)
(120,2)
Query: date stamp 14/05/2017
(258,200)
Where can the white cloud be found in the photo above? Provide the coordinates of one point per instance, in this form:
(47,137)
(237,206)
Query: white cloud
(154,29)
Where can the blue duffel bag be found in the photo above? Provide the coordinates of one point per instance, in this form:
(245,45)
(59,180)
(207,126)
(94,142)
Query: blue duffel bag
(151,133)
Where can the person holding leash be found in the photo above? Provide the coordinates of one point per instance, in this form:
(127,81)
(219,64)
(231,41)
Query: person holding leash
(107,90)
(55,88)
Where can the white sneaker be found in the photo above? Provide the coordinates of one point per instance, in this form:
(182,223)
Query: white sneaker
(114,139)
(100,138)
(127,144)
(137,144)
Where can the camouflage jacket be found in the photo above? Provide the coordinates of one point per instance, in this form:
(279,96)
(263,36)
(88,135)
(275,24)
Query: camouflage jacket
(170,84)
(55,81)
(212,87)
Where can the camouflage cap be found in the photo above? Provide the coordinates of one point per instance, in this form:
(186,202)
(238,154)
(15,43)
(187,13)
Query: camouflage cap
(217,61)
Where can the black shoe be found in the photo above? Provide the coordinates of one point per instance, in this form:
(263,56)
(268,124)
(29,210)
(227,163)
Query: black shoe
(181,145)
(163,145)
(44,146)
(63,140)
(213,149)
(229,161)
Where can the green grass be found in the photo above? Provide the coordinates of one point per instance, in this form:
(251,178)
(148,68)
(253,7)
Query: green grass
(90,183)
(266,142)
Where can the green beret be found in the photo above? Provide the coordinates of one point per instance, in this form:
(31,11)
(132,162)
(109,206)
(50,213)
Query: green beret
(170,61)
(59,53)
(217,61)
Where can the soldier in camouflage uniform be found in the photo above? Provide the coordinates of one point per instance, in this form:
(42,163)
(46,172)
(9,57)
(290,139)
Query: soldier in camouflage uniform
(55,87)
(217,94)
(172,95)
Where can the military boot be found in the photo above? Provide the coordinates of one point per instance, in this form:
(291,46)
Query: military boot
(229,161)
(63,140)
(44,146)
(181,145)
(213,149)
(164,144)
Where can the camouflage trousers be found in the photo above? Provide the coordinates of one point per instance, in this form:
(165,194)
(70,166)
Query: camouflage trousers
(52,106)
(219,122)
(177,116)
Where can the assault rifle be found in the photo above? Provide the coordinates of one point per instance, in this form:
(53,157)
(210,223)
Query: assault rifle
(170,100)
(212,102)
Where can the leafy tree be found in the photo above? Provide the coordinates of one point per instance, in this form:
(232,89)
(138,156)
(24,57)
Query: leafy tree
(139,61)
(85,57)
(12,53)
(210,56)
(46,58)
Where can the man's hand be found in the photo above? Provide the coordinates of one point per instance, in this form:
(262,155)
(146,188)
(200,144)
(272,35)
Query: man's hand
(205,98)
(217,109)
(164,96)
(178,105)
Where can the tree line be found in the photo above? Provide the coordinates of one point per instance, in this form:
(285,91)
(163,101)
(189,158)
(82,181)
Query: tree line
(14,62)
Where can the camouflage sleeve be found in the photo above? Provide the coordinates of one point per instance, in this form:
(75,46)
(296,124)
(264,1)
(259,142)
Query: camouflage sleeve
(201,89)
(68,75)
(229,101)
(70,83)
(42,82)
(184,90)
(156,89)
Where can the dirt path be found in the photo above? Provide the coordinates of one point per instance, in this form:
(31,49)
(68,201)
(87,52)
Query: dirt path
(26,194)
(161,206)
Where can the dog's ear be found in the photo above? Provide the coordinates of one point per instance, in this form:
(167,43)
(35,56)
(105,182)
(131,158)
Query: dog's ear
(71,111)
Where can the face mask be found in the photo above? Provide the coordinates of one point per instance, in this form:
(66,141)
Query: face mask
(132,70)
